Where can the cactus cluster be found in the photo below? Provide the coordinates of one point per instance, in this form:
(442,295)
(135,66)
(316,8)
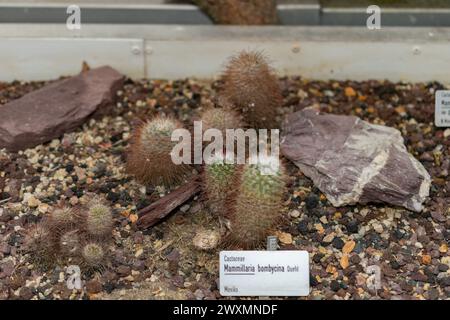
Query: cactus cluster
(251,86)
(68,234)
(248,198)
(149,158)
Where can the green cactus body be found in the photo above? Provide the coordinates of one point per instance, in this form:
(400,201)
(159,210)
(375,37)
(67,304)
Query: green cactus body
(149,159)
(98,219)
(218,184)
(258,205)
(93,255)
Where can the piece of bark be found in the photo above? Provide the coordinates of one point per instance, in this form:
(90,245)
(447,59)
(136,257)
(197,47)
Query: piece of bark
(157,211)
(240,12)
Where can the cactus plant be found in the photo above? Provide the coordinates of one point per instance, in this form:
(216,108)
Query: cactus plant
(93,255)
(99,221)
(218,179)
(149,159)
(69,243)
(62,233)
(61,219)
(258,204)
(38,242)
(251,86)
(221,119)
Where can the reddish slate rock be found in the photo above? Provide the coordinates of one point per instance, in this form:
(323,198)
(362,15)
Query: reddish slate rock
(352,161)
(59,107)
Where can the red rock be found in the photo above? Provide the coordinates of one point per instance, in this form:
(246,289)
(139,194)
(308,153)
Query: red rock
(352,161)
(93,286)
(59,107)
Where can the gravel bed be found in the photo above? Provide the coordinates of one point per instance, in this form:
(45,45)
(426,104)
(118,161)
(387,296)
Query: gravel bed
(411,249)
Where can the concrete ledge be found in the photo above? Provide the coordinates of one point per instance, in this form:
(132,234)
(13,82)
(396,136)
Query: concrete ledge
(47,51)
(389,17)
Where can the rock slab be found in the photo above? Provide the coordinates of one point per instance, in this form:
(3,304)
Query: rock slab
(352,161)
(59,107)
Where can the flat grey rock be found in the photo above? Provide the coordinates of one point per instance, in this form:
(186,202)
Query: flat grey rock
(352,161)
(59,107)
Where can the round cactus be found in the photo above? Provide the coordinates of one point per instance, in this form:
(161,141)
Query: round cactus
(99,221)
(38,242)
(258,204)
(61,219)
(93,254)
(221,119)
(251,86)
(150,159)
(218,180)
(69,243)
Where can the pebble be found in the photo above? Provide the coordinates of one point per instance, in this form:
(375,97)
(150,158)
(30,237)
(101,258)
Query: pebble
(378,227)
(294,213)
(311,201)
(338,243)
(352,226)
(93,286)
(334,285)
(328,238)
(123,271)
(26,293)
(447,133)
(206,239)
(185,208)
(303,227)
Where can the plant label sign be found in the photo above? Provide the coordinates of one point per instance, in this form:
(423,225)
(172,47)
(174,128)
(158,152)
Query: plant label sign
(264,273)
(442,108)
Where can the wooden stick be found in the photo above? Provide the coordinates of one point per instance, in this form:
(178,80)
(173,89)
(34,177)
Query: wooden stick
(157,211)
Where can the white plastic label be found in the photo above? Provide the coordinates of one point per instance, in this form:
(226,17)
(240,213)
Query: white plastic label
(264,273)
(442,108)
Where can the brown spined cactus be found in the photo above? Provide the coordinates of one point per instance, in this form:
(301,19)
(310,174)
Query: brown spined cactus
(258,205)
(99,221)
(239,12)
(251,86)
(218,183)
(61,219)
(221,119)
(39,243)
(93,255)
(149,158)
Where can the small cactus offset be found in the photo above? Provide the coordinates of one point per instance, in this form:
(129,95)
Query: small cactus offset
(258,204)
(61,219)
(69,243)
(218,180)
(149,159)
(251,86)
(93,254)
(38,242)
(221,119)
(98,219)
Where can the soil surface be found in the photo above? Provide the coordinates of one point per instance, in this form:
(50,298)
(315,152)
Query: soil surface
(411,249)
